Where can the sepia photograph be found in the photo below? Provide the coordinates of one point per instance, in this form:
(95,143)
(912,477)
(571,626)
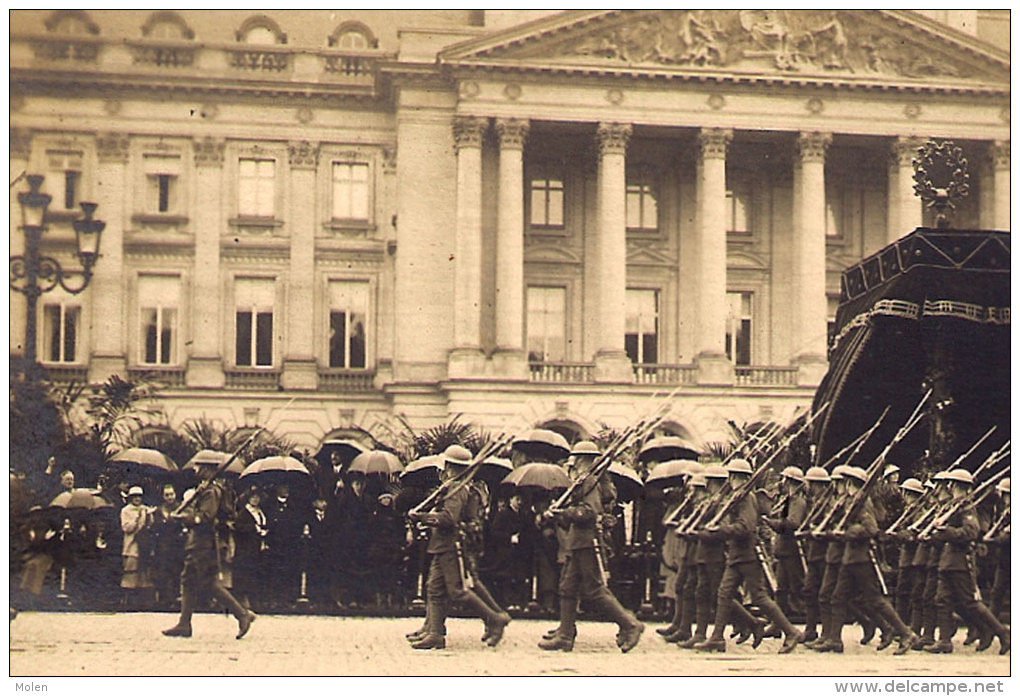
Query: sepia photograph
(510,343)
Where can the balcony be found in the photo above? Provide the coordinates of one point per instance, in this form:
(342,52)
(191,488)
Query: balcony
(346,381)
(562,372)
(253,379)
(65,374)
(665,374)
(760,376)
(166,376)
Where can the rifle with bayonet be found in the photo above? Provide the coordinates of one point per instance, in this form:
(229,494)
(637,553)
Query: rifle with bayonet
(973,498)
(999,528)
(454,484)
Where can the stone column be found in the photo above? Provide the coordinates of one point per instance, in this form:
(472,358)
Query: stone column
(999,152)
(300,370)
(904,206)
(510,360)
(809,302)
(710,344)
(466,357)
(107,289)
(205,359)
(21,151)
(611,361)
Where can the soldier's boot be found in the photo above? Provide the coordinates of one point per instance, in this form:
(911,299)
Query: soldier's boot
(415,636)
(943,646)
(868,629)
(435,633)
(717,642)
(630,628)
(993,628)
(834,632)
(674,624)
(483,593)
(745,623)
(810,622)
(772,610)
(183,627)
(245,618)
(683,617)
(495,621)
(562,638)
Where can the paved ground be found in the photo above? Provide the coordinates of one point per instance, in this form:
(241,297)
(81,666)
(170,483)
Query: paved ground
(43,644)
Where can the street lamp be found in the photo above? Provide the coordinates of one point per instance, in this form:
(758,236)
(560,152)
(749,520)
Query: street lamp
(32,274)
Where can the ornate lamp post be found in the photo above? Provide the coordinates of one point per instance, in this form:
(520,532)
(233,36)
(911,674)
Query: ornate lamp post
(32,274)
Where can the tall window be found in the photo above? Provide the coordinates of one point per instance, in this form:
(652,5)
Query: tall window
(162,174)
(158,302)
(738,327)
(738,205)
(641,339)
(253,299)
(60,332)
(350,191)
(257,187)
(834,207)
(64,181)
(348,323)
(642,208)
(547,324)
(547,202)
(832,304)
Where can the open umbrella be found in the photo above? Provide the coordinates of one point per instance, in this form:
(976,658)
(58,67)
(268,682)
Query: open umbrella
(660,449)
(670,474)
(80,498)
(347,449)
(213,457)
(423,473)
(546,477)
(276,470)
(627,481)
(376,462)
(494,469)
(144,461)
(546,445)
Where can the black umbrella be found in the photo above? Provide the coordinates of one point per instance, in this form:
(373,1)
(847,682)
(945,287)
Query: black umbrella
(542,444)
(539,476)
(347,449)
(493,470)
(627,481)
(423,473)
(660,449)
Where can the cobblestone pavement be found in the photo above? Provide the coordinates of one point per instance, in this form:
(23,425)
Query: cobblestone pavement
(45,644)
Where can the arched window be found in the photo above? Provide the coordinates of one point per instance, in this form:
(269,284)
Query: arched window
(167,25)
(71,22)
(260,30)
(353,36)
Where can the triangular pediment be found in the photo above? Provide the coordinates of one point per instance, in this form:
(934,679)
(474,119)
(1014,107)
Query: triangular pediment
(885,46)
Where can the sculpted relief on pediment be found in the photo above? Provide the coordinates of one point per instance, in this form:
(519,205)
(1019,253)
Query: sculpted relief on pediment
(790,41)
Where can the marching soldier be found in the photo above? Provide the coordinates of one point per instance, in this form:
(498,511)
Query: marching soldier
(907,573)
(927,558)
(956,588)
(202,570)
(582,576)
(785,521)
(743,566)
(447,569)
(817,480)
(1000,537)
(679,629)
(858,576)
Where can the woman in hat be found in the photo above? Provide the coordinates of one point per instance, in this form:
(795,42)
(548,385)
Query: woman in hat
(135,519)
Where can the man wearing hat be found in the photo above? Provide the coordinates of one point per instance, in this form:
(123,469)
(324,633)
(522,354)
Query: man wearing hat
(907,573)
(817,480)
(926,558)
(135,519)
(582,575)
(447,568)
(956,589)
(784,522)
(858,577)
(202,555)
(744,567)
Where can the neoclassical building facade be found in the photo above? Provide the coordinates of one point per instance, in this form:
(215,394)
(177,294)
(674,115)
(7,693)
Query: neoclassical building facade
(522,217)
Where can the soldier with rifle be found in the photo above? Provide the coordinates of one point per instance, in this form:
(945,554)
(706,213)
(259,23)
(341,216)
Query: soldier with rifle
(926,558)
(787,515)
(819,494)
(906,572)
(679,628)
(958,528)
(998,535)
(859,577)
(580,511)
(449,580)
(737,521)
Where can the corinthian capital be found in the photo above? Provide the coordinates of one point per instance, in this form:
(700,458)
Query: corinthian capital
(811,146)
(613,137)
(903,151)
(512,133)
(998,155)
(303,154)
(714,142)
(468,131)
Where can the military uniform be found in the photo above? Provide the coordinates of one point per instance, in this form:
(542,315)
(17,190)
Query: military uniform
(789,571)
(582,578)
(202,570)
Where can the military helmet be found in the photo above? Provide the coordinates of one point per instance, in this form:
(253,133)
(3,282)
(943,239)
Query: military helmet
(839,472)
(585,448)
(1002,486)
(889,470)
(793,473)
(739,466)
(817,473)
(698,479)
(856,472)
(694,468)
(960,476)
(913,485)
(457,455)
(716,471)
(930,483)
(939,476)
